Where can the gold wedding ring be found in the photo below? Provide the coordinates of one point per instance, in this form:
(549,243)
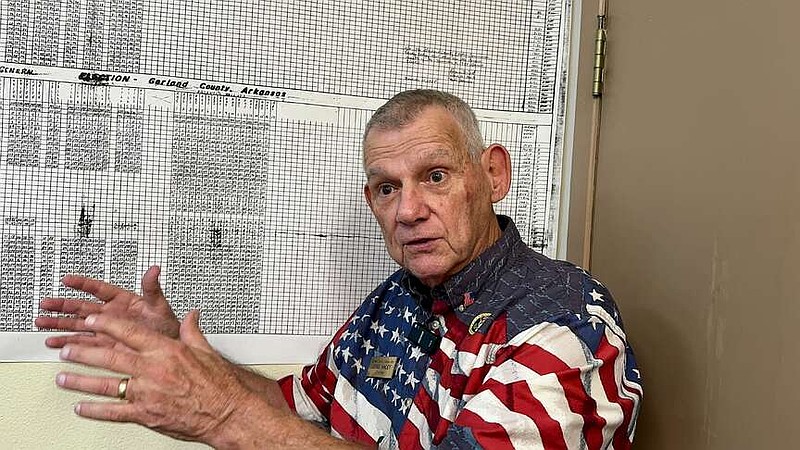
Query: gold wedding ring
(122,389)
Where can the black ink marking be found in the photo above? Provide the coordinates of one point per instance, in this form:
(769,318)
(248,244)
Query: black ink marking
(338,236)
(23,71)
(216,237)
(85,221)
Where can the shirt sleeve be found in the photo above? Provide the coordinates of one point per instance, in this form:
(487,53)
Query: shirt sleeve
(308,398)
(563,384)
(310,395)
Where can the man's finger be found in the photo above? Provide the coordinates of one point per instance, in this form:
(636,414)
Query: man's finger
(132,334)
(60,323)
(62,340)
(151,288)
(86,339)
(102,357)
(100,289)
(107,386)
(110,411)
(70,306)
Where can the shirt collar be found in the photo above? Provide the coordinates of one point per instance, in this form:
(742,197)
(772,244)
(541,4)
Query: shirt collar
(462,287)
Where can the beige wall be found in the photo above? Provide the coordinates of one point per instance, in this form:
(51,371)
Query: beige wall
(37,415)
(698,215)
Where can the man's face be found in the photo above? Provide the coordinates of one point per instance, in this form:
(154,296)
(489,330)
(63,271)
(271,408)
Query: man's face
(432,202)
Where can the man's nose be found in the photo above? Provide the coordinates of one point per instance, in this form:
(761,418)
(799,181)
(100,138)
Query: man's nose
(413,206)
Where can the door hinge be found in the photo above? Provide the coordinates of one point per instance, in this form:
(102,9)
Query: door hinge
(599,57)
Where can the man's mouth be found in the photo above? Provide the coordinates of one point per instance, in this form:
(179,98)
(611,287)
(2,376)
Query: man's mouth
(420,245)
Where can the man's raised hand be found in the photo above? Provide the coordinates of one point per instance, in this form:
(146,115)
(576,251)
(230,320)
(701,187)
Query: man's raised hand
(150,309)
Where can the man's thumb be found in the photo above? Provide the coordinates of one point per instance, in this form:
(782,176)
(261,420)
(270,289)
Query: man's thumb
(190,331)
(151,288)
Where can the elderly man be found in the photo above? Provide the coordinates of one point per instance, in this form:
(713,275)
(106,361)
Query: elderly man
(476,342)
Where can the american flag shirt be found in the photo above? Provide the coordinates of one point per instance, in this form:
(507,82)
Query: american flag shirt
(532,355)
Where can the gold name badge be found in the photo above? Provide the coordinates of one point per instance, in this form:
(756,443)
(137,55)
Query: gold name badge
(382,367)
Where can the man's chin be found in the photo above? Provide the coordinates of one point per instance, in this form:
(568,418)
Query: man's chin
(429,274)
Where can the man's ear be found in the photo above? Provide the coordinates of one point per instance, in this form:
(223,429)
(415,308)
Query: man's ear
(496,163)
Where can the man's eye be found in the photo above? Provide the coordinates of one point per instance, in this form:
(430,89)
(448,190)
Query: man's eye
(385,189)
(437,176)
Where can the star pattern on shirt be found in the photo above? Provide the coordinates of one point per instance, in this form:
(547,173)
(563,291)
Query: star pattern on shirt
(379,329)
(367,346)
(395,336)
(346,354)
(596,296)
(416,353)
(411,380)
(357,365)
(400,371)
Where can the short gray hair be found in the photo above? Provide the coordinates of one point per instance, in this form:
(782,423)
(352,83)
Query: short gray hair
(404,107)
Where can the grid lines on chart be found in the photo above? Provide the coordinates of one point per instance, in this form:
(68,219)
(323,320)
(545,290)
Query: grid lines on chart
(474,49)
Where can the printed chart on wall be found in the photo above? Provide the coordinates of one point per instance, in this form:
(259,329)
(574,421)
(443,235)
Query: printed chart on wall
(221,141)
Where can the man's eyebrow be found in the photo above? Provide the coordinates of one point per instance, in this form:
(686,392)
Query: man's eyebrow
(373,172)
(438,152)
